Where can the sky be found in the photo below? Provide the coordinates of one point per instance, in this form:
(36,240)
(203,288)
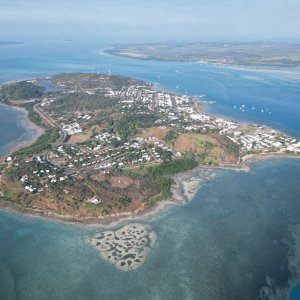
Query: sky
(151,20)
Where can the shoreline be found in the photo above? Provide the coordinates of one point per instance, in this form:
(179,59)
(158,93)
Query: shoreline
(185,187)
(186,184)
(261,69)
(26,141)
(249,158)
(100,222)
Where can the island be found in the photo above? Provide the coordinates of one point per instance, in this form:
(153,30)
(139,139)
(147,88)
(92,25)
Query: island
(266,54)
(115,146)
(9,43)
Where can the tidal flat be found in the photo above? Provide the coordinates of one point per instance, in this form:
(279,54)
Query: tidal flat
(16,131)
(126,248)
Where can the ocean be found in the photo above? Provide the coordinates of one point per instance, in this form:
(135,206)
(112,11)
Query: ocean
(235,240)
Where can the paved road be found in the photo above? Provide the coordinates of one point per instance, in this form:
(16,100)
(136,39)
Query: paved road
(51,122)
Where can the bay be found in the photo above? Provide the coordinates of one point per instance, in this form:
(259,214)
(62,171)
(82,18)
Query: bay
(14,129)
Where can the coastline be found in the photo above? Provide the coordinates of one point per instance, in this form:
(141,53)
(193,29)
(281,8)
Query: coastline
(242,67)
(186,185)
(37,131)
(184,189)
(252,157)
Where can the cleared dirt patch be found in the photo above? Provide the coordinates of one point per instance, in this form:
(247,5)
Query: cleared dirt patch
(79,138)
(158,132)
(194,142)
(120,182)
(98,177)
(210,146)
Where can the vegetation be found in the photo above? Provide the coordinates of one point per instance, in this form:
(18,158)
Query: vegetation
(164,154)
(123,202)
(32,115)
(22,90)
(42,143)
(160,176)
(81,102)
(129,125)
(28,167)
(2,167)
(90,81)
(205,156)
(232,147)
(172,167)
(252,53)
(106,160)
(171,136)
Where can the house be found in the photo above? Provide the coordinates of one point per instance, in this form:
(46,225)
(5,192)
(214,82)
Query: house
(95,201)
(24,178)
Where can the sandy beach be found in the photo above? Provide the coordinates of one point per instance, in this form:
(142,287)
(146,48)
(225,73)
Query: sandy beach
(252,157)
(265,70)
(287,71)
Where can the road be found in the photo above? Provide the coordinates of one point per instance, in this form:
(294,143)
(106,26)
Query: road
(52,123)
(48,120)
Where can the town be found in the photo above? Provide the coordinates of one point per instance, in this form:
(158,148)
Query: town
(111,134)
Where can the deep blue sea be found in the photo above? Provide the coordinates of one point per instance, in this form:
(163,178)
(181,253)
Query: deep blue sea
(238,238)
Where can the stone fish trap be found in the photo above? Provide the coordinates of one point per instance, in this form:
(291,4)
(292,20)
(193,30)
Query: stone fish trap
(126,248)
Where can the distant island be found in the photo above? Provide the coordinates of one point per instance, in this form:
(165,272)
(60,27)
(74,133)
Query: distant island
(264,54)
(113,146)
(6,43)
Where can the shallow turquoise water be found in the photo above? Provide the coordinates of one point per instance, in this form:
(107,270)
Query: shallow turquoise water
(239,228)
(13,128)
(220,246)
